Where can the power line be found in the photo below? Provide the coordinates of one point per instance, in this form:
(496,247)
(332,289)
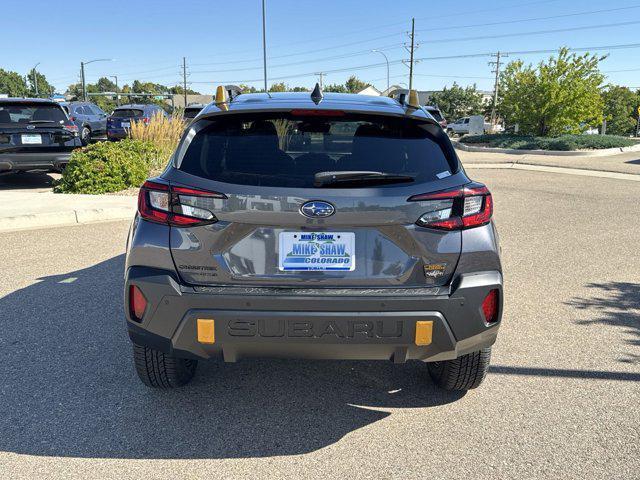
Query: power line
(508,22)
(447,57)
(538,32)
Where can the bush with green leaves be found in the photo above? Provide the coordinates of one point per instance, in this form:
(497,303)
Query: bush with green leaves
(107,167)
(564,142)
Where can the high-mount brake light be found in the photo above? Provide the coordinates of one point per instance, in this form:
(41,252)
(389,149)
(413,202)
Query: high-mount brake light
(316,113)
(456,209)
(177,206)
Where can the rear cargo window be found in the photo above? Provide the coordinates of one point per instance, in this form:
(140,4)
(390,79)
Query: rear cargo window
(287,150)
(127,113)
(191,112)
(435,113)
(24,112)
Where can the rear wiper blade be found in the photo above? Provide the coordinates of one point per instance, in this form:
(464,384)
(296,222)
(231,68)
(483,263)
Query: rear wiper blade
(358,178)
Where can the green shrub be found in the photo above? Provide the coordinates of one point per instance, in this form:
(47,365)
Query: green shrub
(563,143)
(107,167)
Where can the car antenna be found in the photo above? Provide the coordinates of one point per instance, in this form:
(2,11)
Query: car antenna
(316,95)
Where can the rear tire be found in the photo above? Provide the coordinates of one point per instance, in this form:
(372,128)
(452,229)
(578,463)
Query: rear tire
(160,370)
(463,373)
(85,136)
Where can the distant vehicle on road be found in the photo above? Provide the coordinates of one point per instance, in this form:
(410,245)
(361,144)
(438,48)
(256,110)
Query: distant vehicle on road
(90,119)
(436,113)
(461,127)
(35,134)
(191,111)
(119,122)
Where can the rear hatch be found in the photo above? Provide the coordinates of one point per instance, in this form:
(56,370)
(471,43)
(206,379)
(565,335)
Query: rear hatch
(311,199)
(30,127)
(121,118)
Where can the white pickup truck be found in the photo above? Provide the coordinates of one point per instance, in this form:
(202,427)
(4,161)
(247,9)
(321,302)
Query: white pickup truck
(461,127)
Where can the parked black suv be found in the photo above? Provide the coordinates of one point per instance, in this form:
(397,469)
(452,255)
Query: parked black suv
(35,134)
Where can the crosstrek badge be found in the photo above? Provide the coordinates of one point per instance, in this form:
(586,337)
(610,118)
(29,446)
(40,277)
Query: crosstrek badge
(434,270)
(324,251)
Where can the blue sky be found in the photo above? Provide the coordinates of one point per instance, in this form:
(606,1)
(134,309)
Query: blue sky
(222,40)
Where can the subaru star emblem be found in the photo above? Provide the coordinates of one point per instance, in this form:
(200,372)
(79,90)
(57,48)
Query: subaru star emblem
(30,127)
(317,208)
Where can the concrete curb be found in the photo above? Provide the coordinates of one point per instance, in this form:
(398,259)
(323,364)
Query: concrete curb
(65,217)
(561,170)
(555,153)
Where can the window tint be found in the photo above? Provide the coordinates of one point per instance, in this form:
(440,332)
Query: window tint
(24,112)
(435,113)
(289,150)
(127,113)
(85,110)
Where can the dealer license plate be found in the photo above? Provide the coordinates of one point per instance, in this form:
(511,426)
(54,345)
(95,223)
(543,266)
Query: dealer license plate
(325,251)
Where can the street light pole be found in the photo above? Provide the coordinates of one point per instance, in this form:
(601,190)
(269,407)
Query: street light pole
(115,77)
(84,87)
(387,60)
(35,78)
(82,64)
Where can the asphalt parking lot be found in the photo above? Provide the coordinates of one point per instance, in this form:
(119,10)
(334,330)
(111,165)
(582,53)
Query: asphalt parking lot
(561,400)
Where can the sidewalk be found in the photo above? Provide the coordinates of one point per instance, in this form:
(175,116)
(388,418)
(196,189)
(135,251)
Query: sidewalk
(628,163)
(23,209)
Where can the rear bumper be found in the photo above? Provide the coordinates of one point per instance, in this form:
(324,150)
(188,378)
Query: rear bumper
(117,134)
(313,323)
(33,161)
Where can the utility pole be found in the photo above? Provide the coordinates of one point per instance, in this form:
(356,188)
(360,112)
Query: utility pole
(184,79)
(411,48)
(84,86)
(413,34)
(264,43)
(497,64)
(321,77)
(115,77)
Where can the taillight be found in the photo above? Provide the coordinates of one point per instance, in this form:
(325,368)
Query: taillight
(177,206)
(490,306)
(466,207)
(137,303)
(146,119)
(71,128)
(73,119)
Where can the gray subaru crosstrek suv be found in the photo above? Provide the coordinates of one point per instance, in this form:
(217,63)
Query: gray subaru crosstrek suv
(335,227)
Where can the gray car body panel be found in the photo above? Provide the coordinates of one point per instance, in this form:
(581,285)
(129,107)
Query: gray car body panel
(228,270)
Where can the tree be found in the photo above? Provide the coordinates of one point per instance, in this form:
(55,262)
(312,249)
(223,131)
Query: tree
(44,88)
(620,110)
(335,87)
(456,102)
(278,87)
(355,85)
(12,84)
(179,90)
(561,95)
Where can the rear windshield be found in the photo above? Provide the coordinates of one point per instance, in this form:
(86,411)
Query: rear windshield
(287,150)
(127,113)
(435,113)
(23,113)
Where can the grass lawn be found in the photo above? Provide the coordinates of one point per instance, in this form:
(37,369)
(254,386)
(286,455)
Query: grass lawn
(565,142)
